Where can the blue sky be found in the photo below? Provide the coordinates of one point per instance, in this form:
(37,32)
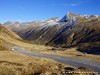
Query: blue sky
(30,10)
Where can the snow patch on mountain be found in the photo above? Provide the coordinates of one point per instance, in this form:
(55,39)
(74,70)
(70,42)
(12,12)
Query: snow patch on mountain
(68,19)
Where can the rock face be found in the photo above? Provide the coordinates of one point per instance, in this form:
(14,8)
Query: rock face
(71,30)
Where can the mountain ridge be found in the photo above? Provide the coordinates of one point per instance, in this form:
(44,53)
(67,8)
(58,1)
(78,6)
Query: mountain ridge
(71,30)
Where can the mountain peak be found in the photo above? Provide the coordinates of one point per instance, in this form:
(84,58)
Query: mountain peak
(69,18)
(70,14)
(65,18)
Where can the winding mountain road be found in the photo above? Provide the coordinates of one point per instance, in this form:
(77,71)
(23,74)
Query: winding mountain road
(65,60)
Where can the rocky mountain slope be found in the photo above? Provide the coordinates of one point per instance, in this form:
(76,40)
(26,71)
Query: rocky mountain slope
(70,31)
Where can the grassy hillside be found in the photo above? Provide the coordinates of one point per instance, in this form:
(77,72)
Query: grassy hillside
(17,64)
(7,38)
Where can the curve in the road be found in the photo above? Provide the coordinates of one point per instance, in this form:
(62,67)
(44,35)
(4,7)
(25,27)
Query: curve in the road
(65,60)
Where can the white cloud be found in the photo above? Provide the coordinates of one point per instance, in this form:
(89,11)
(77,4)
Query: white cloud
(73,4)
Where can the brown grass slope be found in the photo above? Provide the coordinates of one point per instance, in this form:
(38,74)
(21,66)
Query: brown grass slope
(17,64)
(7,38)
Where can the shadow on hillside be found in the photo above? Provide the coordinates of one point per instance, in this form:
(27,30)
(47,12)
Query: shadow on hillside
(93,48)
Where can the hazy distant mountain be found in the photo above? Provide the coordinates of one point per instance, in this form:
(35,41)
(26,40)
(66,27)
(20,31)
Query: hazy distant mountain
(71,30)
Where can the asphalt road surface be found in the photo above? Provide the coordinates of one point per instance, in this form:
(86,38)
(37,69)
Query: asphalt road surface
(76,62)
